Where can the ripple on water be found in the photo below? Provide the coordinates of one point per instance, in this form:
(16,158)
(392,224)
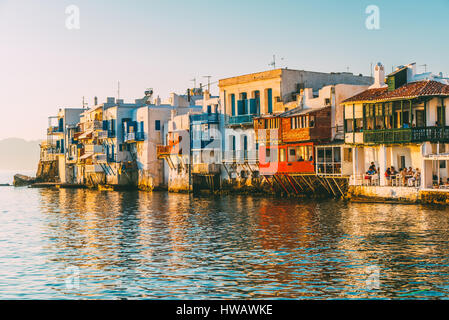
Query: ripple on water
(87,244)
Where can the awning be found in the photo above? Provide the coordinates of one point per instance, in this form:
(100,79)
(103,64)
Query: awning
(86,155)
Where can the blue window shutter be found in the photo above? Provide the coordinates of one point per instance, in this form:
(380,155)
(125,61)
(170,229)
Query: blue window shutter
(233,104)
(270,100)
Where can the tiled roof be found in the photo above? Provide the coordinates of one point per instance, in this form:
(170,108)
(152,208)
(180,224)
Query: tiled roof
(410,90)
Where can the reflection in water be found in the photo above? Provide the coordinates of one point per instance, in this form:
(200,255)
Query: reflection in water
(159,245)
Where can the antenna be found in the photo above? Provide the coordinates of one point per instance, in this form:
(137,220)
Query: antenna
(273,63)
(371,68)
(84,103)
(194,82)
(208,82)
(118,90)
(425,67)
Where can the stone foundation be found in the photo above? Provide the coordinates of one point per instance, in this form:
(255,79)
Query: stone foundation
(47,171)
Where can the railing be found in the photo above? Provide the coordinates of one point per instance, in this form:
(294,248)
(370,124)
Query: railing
(130,136)
(388,136)
(328,168)
(93,148)
(93,125)
(134,136)
(204,117)
(162,151)
(241,119)
(240,156)
(54,129)
(140,136)
(432,134)
(93,168)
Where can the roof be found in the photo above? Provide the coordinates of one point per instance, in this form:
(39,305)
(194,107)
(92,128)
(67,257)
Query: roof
(300,111)
(407,91)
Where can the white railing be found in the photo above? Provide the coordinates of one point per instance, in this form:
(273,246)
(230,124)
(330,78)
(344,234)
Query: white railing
(93,148)
(94,168)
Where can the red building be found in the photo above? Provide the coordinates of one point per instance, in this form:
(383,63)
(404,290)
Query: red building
(286,141)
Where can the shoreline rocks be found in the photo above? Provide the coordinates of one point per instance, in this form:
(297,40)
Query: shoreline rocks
(21,180)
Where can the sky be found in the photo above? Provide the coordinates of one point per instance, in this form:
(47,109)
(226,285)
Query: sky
(164,44)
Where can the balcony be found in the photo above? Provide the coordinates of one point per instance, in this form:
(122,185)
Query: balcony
(205,118)
(93,125)
(55,129)
(134,136)
(240,120)
(94,148)
(94,168)
(163,151)
(206,168)
(407,135)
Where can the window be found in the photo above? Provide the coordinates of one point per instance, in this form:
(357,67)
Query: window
(269,100)
(312,121)
(291,154)
(233,104)
(282,155)
(349,125)
(157,125)
(347,154)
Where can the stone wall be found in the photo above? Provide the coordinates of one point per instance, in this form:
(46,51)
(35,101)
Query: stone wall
(47,171)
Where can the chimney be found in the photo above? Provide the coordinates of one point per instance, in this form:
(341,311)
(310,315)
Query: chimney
(95,101)
(379,76)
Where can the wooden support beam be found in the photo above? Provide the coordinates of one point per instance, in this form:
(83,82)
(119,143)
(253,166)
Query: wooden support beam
(269,182)
(297,183)
(336,183)
(323,184)
(293,186)
(330,187)
(307,183)
(280,182)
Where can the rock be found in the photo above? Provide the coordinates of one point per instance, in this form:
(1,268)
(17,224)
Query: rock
(21,180)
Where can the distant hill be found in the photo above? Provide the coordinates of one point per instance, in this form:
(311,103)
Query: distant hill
(18,154)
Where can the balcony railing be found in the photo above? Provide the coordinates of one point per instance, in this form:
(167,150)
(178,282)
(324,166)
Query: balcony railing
(55,129)
(205,117)
(432,134)
(93,125)
(93,148)
(134,136)
(405,135)
(94,168)
(244,119)
(163,151)
(388,136)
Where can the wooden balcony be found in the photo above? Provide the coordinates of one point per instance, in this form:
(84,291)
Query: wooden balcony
(406,135)
(163,151)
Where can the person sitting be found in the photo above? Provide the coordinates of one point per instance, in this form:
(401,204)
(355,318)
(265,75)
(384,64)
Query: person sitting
(414,180)
(403,176)
(311,158)
(372,167)
(388,176)
(300,159)
(410,172)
